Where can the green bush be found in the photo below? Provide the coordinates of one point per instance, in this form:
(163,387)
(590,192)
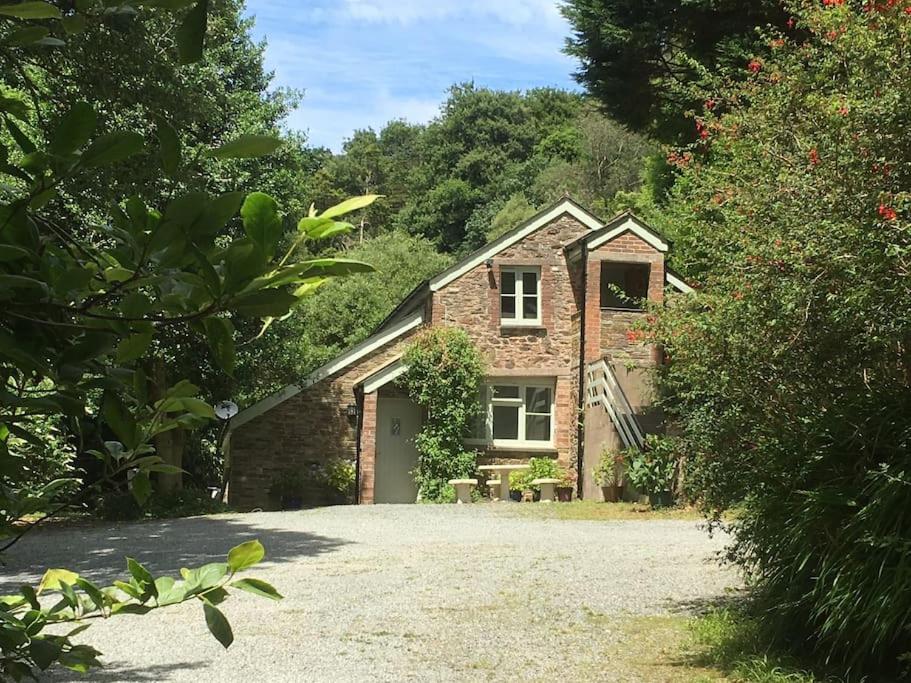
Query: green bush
(652,470)
(539,468)
(609,471)
(790,366)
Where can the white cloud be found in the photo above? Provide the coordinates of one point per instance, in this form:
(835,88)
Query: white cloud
(512,12)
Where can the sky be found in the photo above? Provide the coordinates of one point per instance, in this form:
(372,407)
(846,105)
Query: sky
(362,63)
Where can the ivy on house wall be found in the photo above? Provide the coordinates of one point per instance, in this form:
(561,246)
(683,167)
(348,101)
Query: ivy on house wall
(445,372)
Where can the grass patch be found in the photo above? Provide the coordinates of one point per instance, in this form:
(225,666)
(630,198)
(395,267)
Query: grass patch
(599,512)
(730,642)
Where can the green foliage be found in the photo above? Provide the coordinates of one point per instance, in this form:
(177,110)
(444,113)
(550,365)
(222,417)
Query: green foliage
(731,640)
(638,58)
(187,502)
(444,376)
(63,597)
(539,468)
(317,483)
(790,368)
(487,151)
(653,469)
(609,471)
(92,281)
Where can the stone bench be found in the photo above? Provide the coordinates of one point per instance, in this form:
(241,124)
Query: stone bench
(463,489)
(494,485)
(547,489)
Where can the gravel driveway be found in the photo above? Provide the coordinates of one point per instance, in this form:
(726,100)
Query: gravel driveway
(394,593)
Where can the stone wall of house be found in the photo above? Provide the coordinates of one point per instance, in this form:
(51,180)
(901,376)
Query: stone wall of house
(549,350)
(310,427)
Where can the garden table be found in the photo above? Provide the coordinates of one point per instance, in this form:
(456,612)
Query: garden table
(503,471)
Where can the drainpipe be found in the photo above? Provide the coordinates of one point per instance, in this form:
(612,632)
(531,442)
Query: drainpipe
(359,423)
(580,429)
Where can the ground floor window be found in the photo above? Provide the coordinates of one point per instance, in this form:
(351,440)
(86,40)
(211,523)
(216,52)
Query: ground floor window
(516,413)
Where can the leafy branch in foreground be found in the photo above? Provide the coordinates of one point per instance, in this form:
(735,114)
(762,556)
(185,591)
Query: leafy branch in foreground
(64,597)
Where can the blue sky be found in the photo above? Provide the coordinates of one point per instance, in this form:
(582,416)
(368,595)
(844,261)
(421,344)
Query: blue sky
(364,62)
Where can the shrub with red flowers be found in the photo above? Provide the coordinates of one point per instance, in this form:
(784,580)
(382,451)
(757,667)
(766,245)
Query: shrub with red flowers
(792,361)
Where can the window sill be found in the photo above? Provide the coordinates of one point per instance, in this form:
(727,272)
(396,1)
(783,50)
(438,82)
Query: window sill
(508,327)
(526,447)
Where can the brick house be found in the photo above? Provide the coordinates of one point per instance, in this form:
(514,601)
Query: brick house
(541,303)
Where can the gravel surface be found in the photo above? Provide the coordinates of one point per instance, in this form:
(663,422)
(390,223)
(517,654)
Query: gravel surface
(393,593)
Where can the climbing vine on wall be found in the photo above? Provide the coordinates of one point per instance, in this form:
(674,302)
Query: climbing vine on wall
(445,373)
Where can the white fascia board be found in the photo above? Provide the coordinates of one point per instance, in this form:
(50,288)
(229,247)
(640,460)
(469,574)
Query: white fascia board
(353,355)
(634,227)
(495,247)
(388,374)
(678,284)
(263,406)
(366,347)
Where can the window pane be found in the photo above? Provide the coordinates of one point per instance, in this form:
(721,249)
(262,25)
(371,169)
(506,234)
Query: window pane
(537,400)
(507,306)
(530,282)
(505,422)
(505,391)
(537,428)
(530,307)
(479,424)
(508,284)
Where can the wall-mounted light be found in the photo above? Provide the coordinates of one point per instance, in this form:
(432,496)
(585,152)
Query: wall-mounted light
(351,410)
(489,263)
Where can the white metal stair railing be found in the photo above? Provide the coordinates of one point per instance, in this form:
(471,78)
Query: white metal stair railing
(603,388)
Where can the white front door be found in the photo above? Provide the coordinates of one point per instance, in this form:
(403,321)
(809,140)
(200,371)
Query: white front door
(398,421)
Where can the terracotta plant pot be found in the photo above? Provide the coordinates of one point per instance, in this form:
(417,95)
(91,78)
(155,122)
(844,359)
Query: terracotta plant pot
(564,494)
(611,493)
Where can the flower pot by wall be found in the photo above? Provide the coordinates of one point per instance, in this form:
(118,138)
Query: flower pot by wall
(564,494)
(515,496)
(663,499)
(611,494)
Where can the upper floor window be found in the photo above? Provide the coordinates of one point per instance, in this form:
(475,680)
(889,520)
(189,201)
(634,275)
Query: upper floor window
(624,285)
(520,296)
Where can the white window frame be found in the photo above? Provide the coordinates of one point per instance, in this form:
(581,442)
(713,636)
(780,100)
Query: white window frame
(490,401)
(520,294)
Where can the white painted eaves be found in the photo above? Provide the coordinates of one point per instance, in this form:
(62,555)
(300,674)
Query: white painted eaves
(354,354)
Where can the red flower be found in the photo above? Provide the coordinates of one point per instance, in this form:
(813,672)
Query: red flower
(737,295)
(814,156)
(843,110)
(833,3)
(791,22)
(908,9)
(631,336)
(832,35)
(887,212)
(755,66)
(710,103)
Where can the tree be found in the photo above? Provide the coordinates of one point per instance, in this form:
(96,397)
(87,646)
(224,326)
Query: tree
(84,299)
(639,58)
(790,369)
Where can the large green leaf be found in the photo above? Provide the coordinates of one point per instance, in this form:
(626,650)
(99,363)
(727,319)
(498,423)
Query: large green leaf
(52,578)
(74,129)
(141,488)
(257,587)
(220,335)
(34,9)
(113,147)
(191,35)
(119,419)
(262,222)
(133,347)
(168,147)
(245,555)
(350,205)
(138,572)
(246,147)
(9,252)
(265,303)
(218,625)
(27,35)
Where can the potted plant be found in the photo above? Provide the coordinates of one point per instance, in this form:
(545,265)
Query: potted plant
(541,468)
(652,470)
(609,474)
(338,477)
(520,484)
(567,485)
